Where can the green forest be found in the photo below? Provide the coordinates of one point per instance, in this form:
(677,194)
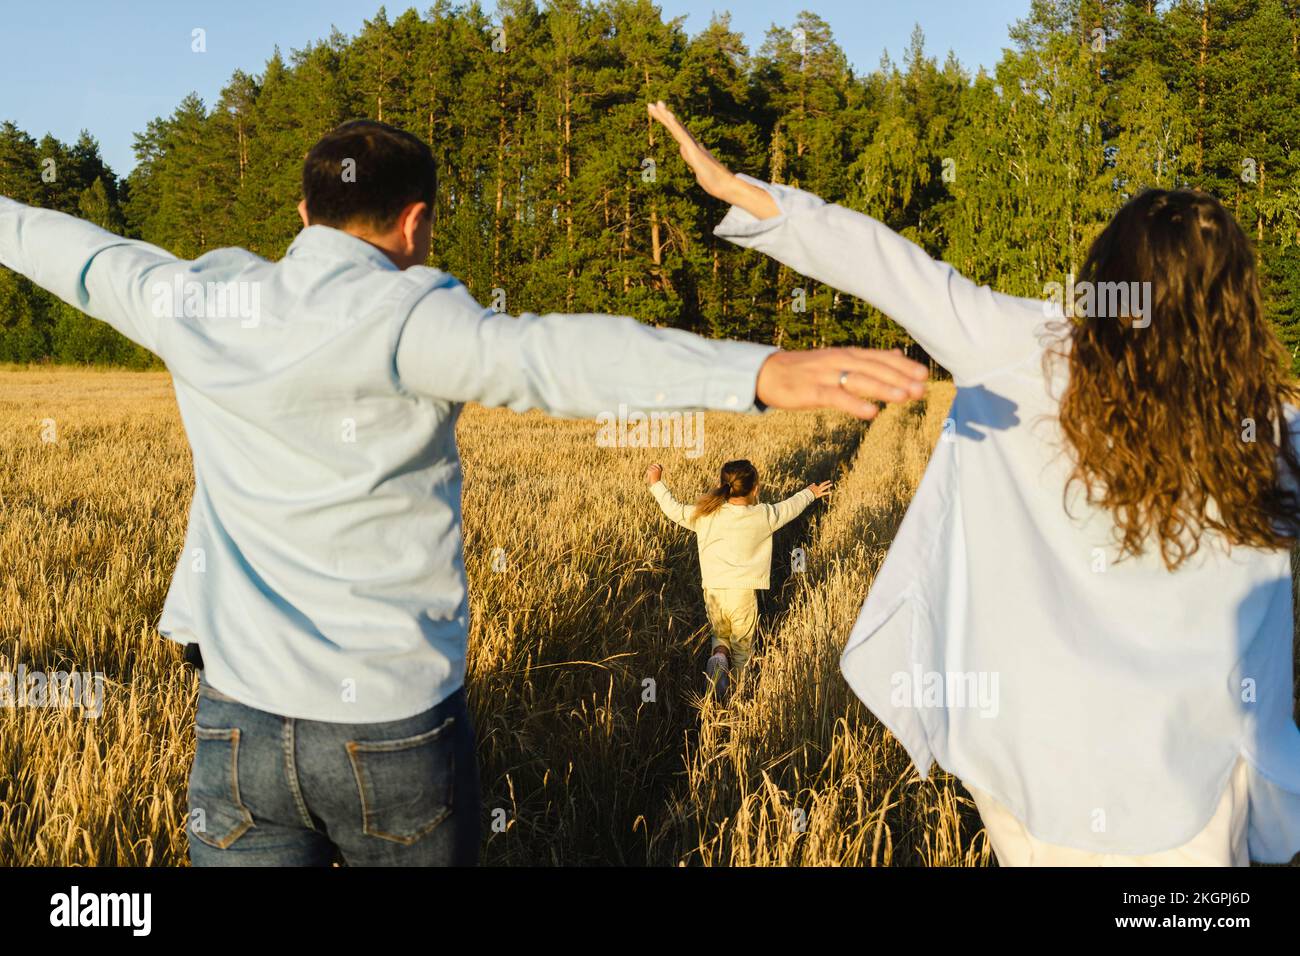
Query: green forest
(555,188)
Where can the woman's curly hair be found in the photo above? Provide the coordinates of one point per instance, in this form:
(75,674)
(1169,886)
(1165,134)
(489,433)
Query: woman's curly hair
(1175,412)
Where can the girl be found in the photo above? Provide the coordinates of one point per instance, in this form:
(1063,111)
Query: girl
(1086,612)
(734,535)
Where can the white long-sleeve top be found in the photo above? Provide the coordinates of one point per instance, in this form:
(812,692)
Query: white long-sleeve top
(1104,703)
(735,542)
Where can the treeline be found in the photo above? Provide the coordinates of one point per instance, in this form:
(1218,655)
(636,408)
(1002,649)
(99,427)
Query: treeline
(556,192)
(73,179)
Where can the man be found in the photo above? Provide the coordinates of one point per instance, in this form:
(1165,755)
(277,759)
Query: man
(322,575)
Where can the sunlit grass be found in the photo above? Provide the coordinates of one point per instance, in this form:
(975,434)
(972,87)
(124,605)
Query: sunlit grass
(586,641)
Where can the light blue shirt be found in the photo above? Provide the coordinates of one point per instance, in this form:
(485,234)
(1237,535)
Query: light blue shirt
(322,574)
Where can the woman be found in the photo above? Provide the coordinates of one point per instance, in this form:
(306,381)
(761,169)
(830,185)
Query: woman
(1102,544)
(734,535)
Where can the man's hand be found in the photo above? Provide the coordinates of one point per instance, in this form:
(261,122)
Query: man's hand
(820,489)
(848,379)
(653,474)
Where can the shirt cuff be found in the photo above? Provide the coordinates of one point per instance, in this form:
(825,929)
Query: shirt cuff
(734,386)
(739,225)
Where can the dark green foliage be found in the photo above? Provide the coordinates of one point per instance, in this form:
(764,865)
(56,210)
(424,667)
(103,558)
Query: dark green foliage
(556,193)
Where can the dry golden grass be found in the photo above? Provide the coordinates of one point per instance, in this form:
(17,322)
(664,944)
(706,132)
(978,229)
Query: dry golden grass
(598,596)
(796,771)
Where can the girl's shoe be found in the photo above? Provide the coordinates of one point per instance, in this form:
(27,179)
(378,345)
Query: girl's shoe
(718,673)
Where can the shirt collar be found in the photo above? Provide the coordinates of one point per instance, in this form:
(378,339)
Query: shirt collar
(328,243)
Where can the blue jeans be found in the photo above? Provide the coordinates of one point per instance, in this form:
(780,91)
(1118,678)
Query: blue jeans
(267,790)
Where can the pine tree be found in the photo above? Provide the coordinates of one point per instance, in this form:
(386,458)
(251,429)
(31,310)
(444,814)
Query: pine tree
(555,188)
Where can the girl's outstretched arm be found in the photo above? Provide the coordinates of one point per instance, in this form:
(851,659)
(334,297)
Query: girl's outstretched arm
(969,329)
(674,509)
(783,512)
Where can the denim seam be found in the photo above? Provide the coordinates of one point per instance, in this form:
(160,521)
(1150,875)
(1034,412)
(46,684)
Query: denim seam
(287,741)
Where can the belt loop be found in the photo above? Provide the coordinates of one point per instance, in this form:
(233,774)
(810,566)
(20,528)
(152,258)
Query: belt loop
(194,656)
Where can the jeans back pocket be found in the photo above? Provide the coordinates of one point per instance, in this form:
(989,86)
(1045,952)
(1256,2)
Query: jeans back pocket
(217,815)
(405,785)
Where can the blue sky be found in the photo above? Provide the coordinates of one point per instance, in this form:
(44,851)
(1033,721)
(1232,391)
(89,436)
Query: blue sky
(110,66)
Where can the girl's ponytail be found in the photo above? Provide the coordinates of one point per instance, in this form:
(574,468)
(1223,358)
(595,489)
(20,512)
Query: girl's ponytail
(738,480)
(711,501)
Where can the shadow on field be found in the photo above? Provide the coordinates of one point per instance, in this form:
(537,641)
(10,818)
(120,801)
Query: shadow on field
(797,745)
(583,738)
(815,463)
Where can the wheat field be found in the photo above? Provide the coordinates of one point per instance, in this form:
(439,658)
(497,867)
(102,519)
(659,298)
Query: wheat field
(586,642)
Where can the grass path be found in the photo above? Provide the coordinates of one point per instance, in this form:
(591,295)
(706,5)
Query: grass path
(795,771)
(581,595)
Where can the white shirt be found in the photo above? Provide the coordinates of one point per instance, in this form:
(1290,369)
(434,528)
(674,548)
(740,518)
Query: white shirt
(1105,704)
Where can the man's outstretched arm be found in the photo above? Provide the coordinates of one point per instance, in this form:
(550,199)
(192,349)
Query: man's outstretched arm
(451,348)
(101,274)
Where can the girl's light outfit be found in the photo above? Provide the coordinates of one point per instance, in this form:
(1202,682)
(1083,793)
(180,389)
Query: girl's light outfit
(1104,704)
(733,619)
(735,546)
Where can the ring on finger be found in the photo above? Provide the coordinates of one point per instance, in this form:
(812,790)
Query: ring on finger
(844,379)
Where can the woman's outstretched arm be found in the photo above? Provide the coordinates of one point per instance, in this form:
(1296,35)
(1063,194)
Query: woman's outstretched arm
(969,329)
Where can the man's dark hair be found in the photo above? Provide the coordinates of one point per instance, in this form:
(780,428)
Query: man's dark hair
(389,170)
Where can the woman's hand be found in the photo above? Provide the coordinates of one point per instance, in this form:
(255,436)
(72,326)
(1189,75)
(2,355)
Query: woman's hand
(849,379)
(821,489)
(653,474)
(716,180)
